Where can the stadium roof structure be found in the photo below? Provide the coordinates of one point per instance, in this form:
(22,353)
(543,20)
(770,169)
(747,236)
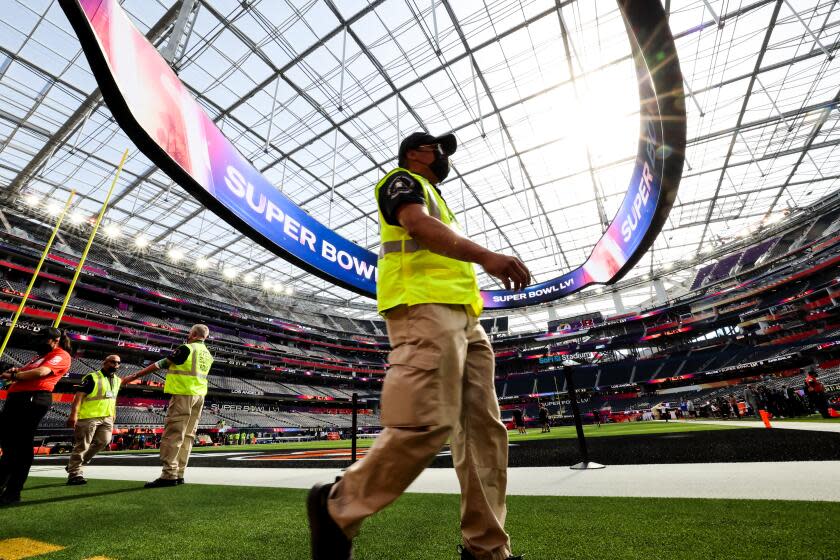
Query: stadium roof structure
(541,94)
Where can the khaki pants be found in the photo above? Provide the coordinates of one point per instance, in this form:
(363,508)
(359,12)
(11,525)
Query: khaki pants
(90,436)
(439,386)
(179,433)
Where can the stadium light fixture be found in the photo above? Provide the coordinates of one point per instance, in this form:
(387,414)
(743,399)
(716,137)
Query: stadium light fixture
(141,241)
(76,217)
(54,208)
(229,273)
(668,266)
(249,278)
(32,199)
(277,288)
(175,254)
(112,230)
(202,264)
(290,290)
(267,284)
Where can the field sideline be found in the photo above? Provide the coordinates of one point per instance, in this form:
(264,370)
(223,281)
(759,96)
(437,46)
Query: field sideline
(564,432)
(120,520)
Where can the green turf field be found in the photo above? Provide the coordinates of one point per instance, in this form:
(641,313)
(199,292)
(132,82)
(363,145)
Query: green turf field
(622,429)
(121,521)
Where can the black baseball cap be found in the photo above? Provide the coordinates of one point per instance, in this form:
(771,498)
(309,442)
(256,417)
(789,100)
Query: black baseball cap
(51,333)
(448,142)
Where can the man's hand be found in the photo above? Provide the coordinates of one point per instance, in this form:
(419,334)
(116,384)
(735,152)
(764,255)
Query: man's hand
(510,270)
(71,422)
(128,379)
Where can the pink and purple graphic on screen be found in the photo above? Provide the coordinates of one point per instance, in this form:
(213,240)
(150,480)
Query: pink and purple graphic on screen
(171,116)
(164,119)
(166,111)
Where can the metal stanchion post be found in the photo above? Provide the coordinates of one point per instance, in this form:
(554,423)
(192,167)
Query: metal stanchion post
(354,425)
(585,463)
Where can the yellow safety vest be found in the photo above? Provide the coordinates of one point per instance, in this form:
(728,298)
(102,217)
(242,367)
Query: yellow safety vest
(102,401)
(190,378)
(410,274)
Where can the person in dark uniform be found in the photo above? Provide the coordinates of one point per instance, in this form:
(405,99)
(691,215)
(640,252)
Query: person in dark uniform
(519,420)
(28,401)
(544,419)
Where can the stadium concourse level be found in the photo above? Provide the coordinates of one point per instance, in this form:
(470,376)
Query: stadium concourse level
(764,312)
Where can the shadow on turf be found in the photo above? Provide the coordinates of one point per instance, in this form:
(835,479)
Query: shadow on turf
(25,502)
(45,486)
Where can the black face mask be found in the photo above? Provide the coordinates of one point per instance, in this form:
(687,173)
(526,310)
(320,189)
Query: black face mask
(440,166)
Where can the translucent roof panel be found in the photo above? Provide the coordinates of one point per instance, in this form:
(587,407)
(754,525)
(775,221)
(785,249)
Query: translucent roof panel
(317,94)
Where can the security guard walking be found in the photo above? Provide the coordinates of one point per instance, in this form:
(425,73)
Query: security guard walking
(92,417)
(186,380)
(440,384)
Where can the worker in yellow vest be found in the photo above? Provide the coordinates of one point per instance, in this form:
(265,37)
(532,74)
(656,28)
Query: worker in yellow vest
(440,384)
(92,417)
(186,380)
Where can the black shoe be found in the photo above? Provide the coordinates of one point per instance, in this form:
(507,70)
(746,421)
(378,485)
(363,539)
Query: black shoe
(9,500)
(328,540)
(466,555)
(76,481)
(179,481)
(161,483)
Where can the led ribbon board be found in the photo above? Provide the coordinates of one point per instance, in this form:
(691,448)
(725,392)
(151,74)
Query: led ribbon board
(167,124)
(657,172)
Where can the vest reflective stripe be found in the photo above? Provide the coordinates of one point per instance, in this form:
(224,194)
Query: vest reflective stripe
(190,378)
(410,274)
(97,404)
(405,246)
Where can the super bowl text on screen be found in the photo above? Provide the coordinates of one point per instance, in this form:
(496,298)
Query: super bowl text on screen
(272,214)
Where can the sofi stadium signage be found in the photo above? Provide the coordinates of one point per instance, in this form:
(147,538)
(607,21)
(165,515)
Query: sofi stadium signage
(164,120)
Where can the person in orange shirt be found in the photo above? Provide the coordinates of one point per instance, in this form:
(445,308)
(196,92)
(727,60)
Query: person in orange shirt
(28,401)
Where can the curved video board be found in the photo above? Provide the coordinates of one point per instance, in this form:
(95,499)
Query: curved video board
(657,172)
(164,120)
